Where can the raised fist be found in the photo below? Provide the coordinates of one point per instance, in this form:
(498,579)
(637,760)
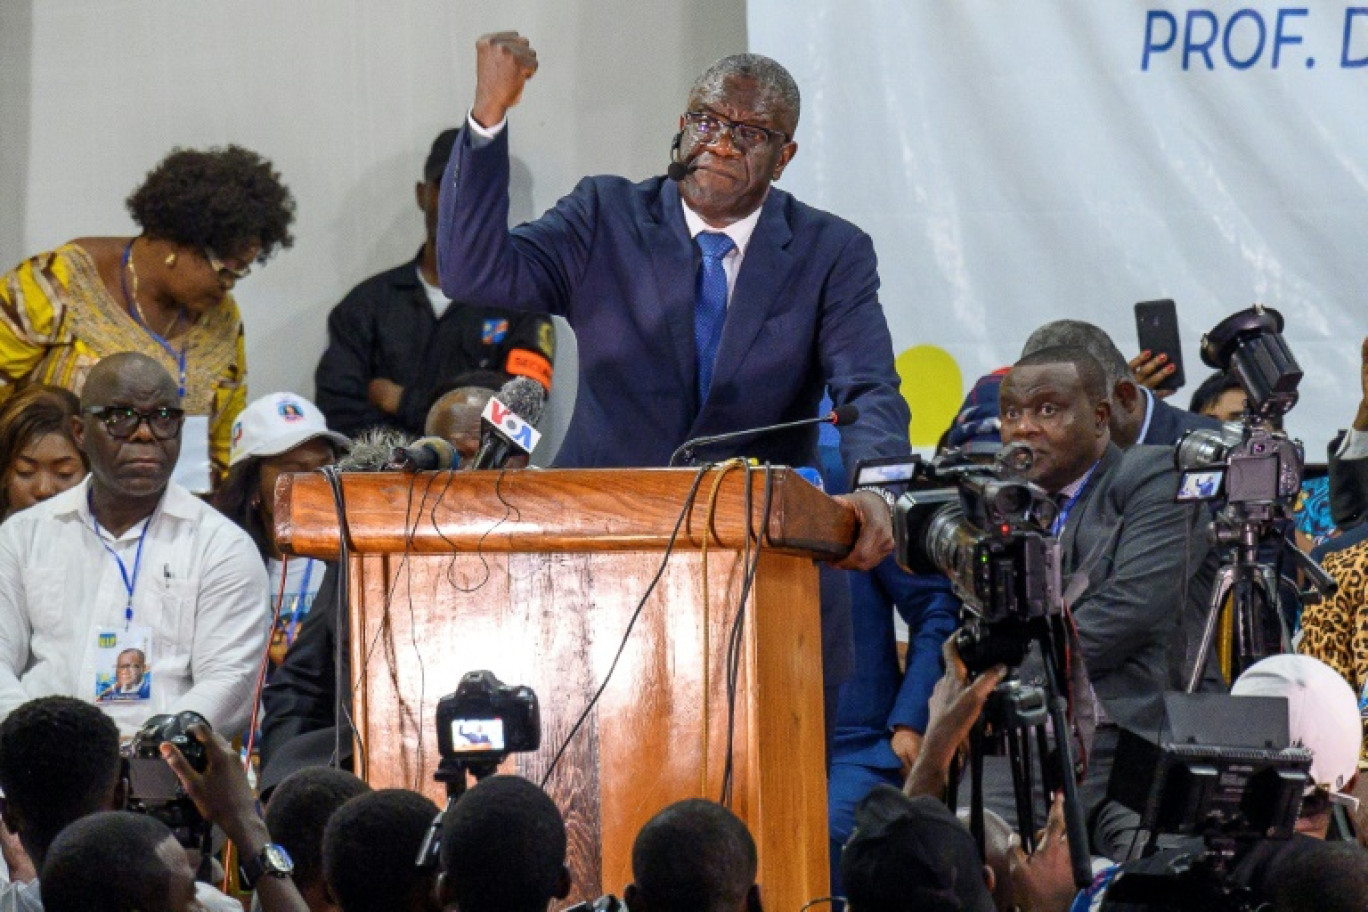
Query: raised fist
(504,61)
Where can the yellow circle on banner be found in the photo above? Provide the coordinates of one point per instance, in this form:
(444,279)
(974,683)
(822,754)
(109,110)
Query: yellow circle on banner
(933,387)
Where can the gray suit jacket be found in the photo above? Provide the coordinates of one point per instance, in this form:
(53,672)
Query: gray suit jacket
(1149,572)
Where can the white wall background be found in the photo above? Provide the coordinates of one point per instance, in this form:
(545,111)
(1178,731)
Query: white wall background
(345,97)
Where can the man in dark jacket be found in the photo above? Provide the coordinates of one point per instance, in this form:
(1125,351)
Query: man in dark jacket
(396,341)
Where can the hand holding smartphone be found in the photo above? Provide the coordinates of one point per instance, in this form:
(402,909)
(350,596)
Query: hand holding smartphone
(1156,327)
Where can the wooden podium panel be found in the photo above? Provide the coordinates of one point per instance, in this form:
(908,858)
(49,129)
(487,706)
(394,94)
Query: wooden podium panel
(536,577)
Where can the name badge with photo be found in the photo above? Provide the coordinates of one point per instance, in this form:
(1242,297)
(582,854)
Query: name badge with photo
(123,665)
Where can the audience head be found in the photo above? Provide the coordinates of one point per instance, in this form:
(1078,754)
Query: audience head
(210,214)
(370,847)
(298,812)
(694,856)
(59,762)
(1128,402)
(912,854)
(117,861)
(1322,716)
(503,849)
(736,173)
(977,429)
(1219,396)
(999,839)
(277,434)
(1055,401)
(428,189)
(38,452)
(131,456)
(1329,877)
(455,415)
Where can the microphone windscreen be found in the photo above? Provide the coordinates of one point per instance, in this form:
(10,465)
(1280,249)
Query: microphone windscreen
(447,457)
(677,171)
(842,415)
(370,451)
(525,397)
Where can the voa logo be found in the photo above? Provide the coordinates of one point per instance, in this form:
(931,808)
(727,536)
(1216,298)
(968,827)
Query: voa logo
(522,434)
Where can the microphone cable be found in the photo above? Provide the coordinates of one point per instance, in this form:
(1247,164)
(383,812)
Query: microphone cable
(627,633)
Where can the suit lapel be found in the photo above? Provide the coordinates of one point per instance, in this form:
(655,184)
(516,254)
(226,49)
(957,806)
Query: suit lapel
(673,265)
(1087,500)
(764,274)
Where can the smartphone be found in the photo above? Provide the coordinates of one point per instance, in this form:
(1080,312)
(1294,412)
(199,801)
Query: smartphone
(1156,326)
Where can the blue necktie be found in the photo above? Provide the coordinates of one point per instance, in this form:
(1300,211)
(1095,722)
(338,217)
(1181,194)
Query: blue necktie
(710,305)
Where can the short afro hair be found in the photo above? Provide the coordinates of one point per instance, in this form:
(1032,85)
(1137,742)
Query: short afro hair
(59,762)
(223,199)
(370,850)
(1211,389)
(299,811)
(1092,339)
(108,862)
(1091,376)
(694,856)
(503,847)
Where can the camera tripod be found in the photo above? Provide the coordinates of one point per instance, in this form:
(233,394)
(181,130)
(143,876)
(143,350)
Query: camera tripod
(451,772)
(1252,588)
(1018,715)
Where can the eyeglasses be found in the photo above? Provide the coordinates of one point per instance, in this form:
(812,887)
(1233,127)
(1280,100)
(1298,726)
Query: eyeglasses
(225,271)
(709,128)
(122,421)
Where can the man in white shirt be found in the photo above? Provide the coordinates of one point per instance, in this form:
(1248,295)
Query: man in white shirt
(130,560)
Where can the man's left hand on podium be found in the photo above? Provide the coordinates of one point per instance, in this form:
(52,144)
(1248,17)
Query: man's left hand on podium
(874,534)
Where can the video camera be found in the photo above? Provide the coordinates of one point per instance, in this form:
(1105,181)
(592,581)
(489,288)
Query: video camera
(1220,768)
(990,535)
(154,788)
(1250,463)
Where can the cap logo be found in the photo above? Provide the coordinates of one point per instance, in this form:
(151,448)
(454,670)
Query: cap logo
(237,432)
(290,411)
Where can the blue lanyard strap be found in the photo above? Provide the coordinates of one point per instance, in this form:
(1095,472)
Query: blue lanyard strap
(130,582)
(177,356)
(1063,516)
(299,600)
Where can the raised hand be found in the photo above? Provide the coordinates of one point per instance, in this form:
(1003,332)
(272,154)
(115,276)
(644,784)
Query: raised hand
(504,61)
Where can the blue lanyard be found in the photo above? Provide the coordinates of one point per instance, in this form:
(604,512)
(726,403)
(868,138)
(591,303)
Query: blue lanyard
(1063,516)
(299,600)
(130,582)
(178,356)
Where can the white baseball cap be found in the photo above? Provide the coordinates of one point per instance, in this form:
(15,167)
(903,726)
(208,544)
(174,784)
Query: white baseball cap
(276,423)
(1322,712)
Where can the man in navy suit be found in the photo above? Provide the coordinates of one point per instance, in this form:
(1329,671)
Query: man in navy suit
(624,264)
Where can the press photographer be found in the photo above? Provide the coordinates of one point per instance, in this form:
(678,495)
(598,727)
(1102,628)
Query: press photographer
(1136,567)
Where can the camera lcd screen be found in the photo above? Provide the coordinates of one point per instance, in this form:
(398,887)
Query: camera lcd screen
(477,735)
(1203,484)
(885,473)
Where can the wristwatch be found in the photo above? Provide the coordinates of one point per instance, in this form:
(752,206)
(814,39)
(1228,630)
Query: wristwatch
(888,496)
(272,860)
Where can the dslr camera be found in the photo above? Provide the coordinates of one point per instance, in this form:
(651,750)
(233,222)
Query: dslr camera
(987,529)
(1250,464)
(485,720)
(153,786)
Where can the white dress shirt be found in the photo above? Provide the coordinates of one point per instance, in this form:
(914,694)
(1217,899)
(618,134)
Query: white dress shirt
(199,590)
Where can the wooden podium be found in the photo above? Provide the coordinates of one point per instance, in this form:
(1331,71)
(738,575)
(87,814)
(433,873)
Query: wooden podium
(536,577)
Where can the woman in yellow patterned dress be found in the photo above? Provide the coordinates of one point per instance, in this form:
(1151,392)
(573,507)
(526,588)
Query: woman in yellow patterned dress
(205,217)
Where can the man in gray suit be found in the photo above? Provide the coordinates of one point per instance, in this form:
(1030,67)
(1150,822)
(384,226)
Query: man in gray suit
(1137,415)
(1136,565)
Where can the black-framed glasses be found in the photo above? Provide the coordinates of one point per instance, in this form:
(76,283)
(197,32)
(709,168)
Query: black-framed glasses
(709,128)
(122,421)
(223,270)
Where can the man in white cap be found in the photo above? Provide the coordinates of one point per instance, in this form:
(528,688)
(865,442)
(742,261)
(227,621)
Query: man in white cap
(1322,716)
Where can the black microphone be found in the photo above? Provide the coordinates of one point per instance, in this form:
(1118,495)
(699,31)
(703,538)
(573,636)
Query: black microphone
(509,423)
(426,454)
(839,416)
(678,170)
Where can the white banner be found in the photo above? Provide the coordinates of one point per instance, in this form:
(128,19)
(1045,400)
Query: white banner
(1018,162)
